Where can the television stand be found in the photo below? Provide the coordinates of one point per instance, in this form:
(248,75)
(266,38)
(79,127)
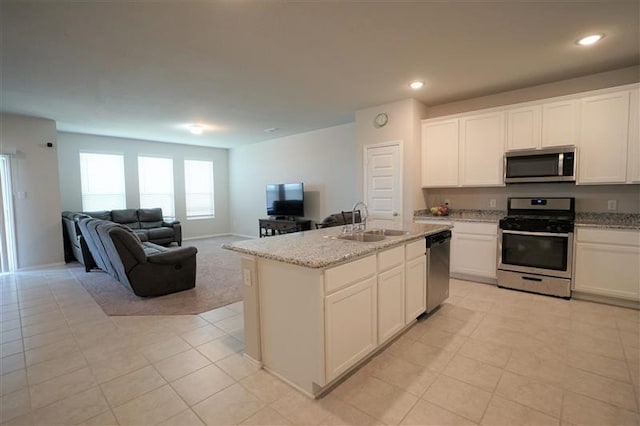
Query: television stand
(277,226)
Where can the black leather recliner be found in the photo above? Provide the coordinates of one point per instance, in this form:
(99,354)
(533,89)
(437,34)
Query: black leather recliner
(147,268)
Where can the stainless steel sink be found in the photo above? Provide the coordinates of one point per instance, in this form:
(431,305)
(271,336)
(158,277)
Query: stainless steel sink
(386,232)
(362,237)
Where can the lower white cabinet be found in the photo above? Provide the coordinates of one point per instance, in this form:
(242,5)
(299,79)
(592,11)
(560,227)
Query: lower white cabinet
(607,263)
(390,303)
(474,248)
(350,326)
(415,280)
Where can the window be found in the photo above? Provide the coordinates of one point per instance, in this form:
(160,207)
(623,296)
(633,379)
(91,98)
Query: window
(102,181)
(155,176)
(198,183)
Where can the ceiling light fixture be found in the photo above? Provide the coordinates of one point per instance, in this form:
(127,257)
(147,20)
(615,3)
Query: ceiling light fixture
(590,39)
(271,130)
(415,85)
(196,129)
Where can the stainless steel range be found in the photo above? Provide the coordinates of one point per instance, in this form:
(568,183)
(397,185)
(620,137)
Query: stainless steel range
(535,245)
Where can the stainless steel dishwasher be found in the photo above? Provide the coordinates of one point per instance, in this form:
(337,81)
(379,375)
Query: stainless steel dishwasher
(438,246)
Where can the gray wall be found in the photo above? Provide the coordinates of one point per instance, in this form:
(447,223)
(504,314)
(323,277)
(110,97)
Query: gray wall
(324,160)
(71,144)
(589,198)
(34,171)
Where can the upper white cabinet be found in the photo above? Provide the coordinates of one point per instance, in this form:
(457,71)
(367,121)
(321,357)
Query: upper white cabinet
(633,159)
(604,136)
(468,149)
(440,153)
(524,128)
(560,123)
(482,149)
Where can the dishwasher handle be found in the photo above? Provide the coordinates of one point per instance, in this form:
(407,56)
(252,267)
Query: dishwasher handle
(438,239)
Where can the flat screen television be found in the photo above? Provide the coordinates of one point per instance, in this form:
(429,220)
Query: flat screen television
(285,199)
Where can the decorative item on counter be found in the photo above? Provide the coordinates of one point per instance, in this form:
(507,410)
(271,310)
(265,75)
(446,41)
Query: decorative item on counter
(441,210)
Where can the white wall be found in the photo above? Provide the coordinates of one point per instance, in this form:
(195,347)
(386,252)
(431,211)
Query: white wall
(71,144)
(322,159)
(404,125)
(34,171)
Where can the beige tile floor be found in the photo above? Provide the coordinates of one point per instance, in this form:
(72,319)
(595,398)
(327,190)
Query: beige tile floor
(487,356)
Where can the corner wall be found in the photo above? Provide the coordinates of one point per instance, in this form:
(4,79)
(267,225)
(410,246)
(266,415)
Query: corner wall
(71,144)
(34,173)
(322,159)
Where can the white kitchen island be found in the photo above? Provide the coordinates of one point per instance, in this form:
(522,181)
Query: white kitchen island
(316,306)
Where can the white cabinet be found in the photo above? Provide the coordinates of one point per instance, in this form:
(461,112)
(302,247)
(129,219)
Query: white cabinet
(390,293)
(524,128)
(482,149)
(440,153)
(604,135)
(415,280)
(607,263)
(350,326)
(560,123)
(474,250)
(633,159)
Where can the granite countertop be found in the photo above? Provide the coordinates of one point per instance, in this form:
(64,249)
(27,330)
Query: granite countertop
(463,215)
(608,220)
(317,248)
(583,219)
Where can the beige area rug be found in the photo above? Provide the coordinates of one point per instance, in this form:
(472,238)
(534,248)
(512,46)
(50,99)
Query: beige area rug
(218,283)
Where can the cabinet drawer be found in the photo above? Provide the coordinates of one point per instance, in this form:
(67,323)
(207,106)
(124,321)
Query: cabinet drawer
(480,228)
(390,258)
(609,236)
(343,275)
(415,249)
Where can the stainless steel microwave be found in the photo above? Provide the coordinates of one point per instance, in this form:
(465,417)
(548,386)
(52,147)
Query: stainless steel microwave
(540,165)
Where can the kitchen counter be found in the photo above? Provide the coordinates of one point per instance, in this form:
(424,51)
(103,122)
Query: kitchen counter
(608,220)
(463,215)
(320,249)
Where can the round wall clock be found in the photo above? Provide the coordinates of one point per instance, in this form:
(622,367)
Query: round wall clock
(381,120)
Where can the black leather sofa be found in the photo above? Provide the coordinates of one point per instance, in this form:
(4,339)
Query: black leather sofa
(147,224)
(146,268)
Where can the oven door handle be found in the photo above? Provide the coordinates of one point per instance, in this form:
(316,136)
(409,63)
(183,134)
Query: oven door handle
(536,234)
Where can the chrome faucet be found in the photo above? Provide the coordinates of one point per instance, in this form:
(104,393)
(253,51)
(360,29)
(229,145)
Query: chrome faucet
(362,227)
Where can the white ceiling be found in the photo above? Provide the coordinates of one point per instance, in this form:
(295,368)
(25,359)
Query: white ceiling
(144,69)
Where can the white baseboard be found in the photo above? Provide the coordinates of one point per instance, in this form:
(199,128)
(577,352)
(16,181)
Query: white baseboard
(37,267)
(226,234)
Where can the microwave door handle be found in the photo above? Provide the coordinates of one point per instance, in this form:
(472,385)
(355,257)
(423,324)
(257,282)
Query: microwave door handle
(536,234)
(560,163)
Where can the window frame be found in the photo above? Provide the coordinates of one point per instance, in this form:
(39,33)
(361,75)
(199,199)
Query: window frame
(172,198)
(83,183)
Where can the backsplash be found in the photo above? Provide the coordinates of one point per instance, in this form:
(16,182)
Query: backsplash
(589,198)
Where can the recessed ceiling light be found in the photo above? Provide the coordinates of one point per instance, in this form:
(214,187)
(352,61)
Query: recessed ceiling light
(415,85)
(590,39)
(271,130)
(196,129)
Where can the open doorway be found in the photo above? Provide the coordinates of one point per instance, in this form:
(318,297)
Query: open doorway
(8,261)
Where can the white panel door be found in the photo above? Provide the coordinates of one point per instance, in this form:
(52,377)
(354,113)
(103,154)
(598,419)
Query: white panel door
(604,134)
(383,183)
(440,153)
(482,149)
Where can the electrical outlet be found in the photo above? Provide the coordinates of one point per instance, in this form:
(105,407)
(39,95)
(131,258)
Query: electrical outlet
(492,202)
(612,205)
(246,274)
